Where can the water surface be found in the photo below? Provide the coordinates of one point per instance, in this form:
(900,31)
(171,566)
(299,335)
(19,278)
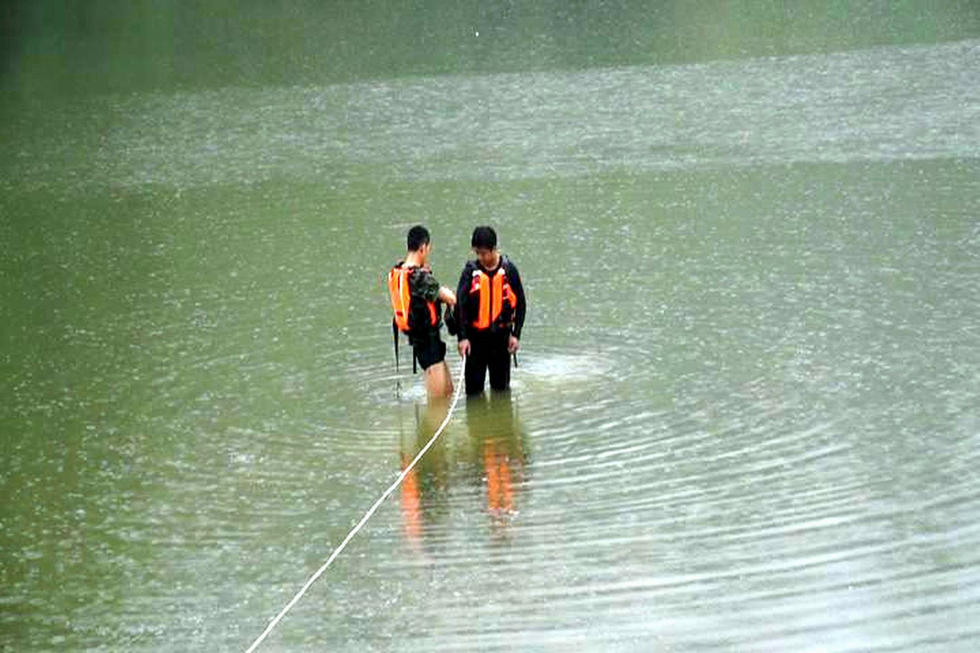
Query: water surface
(744,415)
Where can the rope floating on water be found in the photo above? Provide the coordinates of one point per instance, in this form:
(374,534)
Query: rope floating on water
(401,477)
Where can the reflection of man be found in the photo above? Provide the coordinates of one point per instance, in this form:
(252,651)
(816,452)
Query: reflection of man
(495,463)
(426,484)
(499,447)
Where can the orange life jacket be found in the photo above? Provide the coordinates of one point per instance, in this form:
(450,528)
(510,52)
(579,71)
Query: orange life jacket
(401,301)
(495,295)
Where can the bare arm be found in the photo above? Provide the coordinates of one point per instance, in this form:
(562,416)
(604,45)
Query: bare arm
(447,295)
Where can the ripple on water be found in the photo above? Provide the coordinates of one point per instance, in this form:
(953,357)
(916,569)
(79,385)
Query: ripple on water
(562,367)
(765,439)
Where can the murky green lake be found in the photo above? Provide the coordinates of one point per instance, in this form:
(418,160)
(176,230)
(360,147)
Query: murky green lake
(745,415)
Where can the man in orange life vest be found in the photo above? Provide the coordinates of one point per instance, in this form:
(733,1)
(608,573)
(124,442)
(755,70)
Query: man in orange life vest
(489,314)
(415,297)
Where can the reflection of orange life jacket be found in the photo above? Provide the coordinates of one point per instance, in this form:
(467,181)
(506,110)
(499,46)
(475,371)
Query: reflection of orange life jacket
(497,299)
(411,503)
(500,485)
(401,302)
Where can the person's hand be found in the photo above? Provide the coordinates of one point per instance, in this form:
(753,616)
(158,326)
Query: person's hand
(447,295)
(464,347)
(513,344)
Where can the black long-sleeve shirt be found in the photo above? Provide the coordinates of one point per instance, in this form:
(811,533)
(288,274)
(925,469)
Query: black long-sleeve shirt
(463,292)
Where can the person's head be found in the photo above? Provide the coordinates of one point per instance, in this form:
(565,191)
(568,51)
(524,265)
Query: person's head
(484,243)
(419,242)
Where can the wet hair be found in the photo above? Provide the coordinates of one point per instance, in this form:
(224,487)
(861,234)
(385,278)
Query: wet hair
(417,236)
(484,238)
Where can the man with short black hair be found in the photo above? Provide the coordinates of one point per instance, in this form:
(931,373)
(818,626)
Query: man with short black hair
(415,298)
(489,313)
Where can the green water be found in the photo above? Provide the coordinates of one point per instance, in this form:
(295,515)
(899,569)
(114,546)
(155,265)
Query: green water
(745,416)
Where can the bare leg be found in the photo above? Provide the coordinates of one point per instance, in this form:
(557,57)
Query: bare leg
(438,382)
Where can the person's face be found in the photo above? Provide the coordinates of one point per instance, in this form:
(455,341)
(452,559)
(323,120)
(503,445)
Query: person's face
(486,257)
(425,250)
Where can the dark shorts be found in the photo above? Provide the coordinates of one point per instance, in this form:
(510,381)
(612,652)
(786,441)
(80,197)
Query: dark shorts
(429,352)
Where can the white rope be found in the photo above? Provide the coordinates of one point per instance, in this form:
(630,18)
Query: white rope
(367,515)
